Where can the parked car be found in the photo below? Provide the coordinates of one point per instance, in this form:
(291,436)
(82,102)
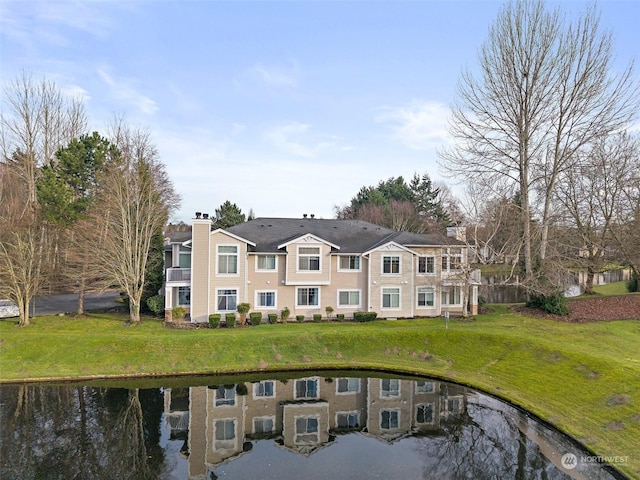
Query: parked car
(8,309)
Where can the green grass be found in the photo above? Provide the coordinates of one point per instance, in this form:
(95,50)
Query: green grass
(583,378)
(615,288)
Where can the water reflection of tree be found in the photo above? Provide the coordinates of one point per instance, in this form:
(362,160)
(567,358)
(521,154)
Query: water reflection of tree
(79,432)
(484,443)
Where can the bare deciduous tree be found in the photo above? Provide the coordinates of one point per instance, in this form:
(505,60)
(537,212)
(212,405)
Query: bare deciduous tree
(133,202)
(545,90)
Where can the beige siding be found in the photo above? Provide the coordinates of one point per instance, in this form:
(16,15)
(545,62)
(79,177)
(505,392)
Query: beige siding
(220,281)
(294,276)
(403,281)
(200,271)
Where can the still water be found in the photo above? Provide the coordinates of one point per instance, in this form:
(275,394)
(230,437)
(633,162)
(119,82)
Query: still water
(343,426)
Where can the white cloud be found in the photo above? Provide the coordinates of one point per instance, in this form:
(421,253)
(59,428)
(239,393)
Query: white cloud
(281,135)
(124,92)
(277,76)
(421,125)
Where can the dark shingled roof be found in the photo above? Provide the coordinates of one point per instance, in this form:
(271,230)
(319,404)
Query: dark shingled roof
(352,236)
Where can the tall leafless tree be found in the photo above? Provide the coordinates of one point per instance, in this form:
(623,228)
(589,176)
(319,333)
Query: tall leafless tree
(134,201)
(545,89)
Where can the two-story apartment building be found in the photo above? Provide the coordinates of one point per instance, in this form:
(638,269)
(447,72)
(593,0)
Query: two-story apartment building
(307,264)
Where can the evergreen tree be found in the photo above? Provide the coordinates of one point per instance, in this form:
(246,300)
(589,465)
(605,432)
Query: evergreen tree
(228,215)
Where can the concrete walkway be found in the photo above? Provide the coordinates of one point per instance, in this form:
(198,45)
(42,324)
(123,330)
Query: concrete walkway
(68,302)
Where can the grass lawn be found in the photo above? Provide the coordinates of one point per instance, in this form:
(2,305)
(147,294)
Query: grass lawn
(583,378)
(615,288)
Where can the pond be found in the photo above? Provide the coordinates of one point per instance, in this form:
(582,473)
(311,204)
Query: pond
(338,425)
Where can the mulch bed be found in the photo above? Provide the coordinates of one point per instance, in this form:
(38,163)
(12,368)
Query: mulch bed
(596,309)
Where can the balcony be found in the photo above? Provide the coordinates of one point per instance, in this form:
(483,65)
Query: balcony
(178,275)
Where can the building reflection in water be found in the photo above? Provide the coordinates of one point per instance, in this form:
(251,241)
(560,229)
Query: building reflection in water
(220,423)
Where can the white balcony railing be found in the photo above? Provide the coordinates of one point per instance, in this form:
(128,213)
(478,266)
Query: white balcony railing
(178,274)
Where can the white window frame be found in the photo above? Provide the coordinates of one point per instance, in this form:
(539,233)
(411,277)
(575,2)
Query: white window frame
(382,295)
(391,256)
(256,388)
(426,259)
(426,387)
(390,393)
(299,256)
(264,255)
(218,290)
(225,402)
(433,413)
(352,413)
(266,307)
(226,443)
(353,386)
(295,388)
(433,294)
(219,263)
(448,292)
(308,305)
(270,418)
(306,437)
(178,296)
(185,252)
(350,291)
(349,269)
(452,257)
(390,411)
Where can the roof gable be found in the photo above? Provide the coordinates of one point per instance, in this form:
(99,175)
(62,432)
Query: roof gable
(308,237)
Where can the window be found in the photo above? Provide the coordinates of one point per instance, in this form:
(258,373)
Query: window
(451,295)
(348,298)
(227,300)
(389,419)
(309,259)
(426,296)
(389,387)
(184,296)
(264,389)
(227,259)
(451,259)
(454,405)
(424,387)
(391,297)
(348,385)
(184,257)
(349,262)
(390,264)
(347,420)
(308,296)
(226,396)
(426,265)
(263,425)
(306,430)
(424,413)
(266,299)
(265,262)
(307,388)
(225,434)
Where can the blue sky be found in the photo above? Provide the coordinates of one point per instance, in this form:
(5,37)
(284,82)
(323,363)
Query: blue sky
(281,107)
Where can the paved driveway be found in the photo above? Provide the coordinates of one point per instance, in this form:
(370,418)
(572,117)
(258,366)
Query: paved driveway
(68,302)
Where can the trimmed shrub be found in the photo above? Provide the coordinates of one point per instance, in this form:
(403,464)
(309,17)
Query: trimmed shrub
(300,318)
(364,316)
(284,314)
(214,320)
(156,304)
(230,318)
(340,317)
(555,303)
(178,313)
(255,317)
(632,283)
(317,317)
(329,311)
(273,317)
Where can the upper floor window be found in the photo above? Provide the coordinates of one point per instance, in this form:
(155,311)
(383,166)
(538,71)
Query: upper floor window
(426,265)
(266,262)
(389,419)
(184,257)
(226,396)
(451,259)
(424,413)
(309,259)
(349,262)
(228,259)
(389,387)
(391,264)
(424,387)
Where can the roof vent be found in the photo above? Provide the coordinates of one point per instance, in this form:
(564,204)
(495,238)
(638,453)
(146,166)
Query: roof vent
(313,215)
(198,214)
(205,216)
(304,215)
